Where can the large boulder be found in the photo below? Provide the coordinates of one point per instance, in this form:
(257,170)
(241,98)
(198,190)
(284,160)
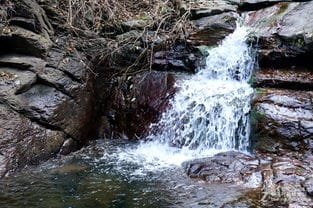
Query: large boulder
(282,36)
(212,29)
(24,142)
(46,93)
(229,167)
(282,120)
(283,181)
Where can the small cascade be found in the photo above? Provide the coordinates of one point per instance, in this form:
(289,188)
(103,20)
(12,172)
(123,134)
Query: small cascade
(209,113)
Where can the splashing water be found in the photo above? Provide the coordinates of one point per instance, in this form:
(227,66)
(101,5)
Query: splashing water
(208,115)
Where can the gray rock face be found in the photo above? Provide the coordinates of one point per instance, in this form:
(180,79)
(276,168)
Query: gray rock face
(212,29)
(199,9)
(229,167)
(279,178)
(45,89)
(283,118)
(24,142)
(282,34)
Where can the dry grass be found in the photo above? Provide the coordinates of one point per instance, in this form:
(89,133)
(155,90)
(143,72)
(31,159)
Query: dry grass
(95,15)
(106,18)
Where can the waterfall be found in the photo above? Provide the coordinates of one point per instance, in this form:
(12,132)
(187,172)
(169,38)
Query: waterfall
(208,114)
(210,111)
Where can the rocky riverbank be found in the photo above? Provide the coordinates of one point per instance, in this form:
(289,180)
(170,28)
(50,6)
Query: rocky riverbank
(67,78)
(282,108)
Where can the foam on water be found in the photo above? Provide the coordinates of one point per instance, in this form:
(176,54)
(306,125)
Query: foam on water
(208,115)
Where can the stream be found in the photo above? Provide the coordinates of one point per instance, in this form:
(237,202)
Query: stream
(208,115)
(87,179)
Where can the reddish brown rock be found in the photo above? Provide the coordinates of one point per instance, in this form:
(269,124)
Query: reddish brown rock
(138,102)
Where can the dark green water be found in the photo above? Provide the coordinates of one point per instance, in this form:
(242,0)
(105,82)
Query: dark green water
(87,179)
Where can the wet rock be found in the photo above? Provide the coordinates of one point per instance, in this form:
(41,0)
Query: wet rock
(15,81)
(283,117)
(180,58)
(212,29)
(22,62)
(287,78)
(283,37)
(289,169)
(19,40)
(228,167)
(308,185)
(279,178)
(46,87)
(290,194)
(139,103)
(25,142)
(208,8)
(68,146)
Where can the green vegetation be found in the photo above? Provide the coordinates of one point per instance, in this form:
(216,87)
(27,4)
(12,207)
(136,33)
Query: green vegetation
(256,114)
(252,78)
(260,91)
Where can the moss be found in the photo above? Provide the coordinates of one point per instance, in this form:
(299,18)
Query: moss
(252,79)
(259,137)
(256,115)
(260,91)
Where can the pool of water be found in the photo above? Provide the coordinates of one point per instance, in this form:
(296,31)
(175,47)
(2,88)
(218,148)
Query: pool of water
(93,177)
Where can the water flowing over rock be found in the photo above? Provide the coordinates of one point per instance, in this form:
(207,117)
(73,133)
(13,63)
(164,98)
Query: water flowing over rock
(48,93)
(208,114)
(210,110)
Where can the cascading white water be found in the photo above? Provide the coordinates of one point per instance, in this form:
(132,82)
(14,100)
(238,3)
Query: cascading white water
(208,115)
(210,110)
